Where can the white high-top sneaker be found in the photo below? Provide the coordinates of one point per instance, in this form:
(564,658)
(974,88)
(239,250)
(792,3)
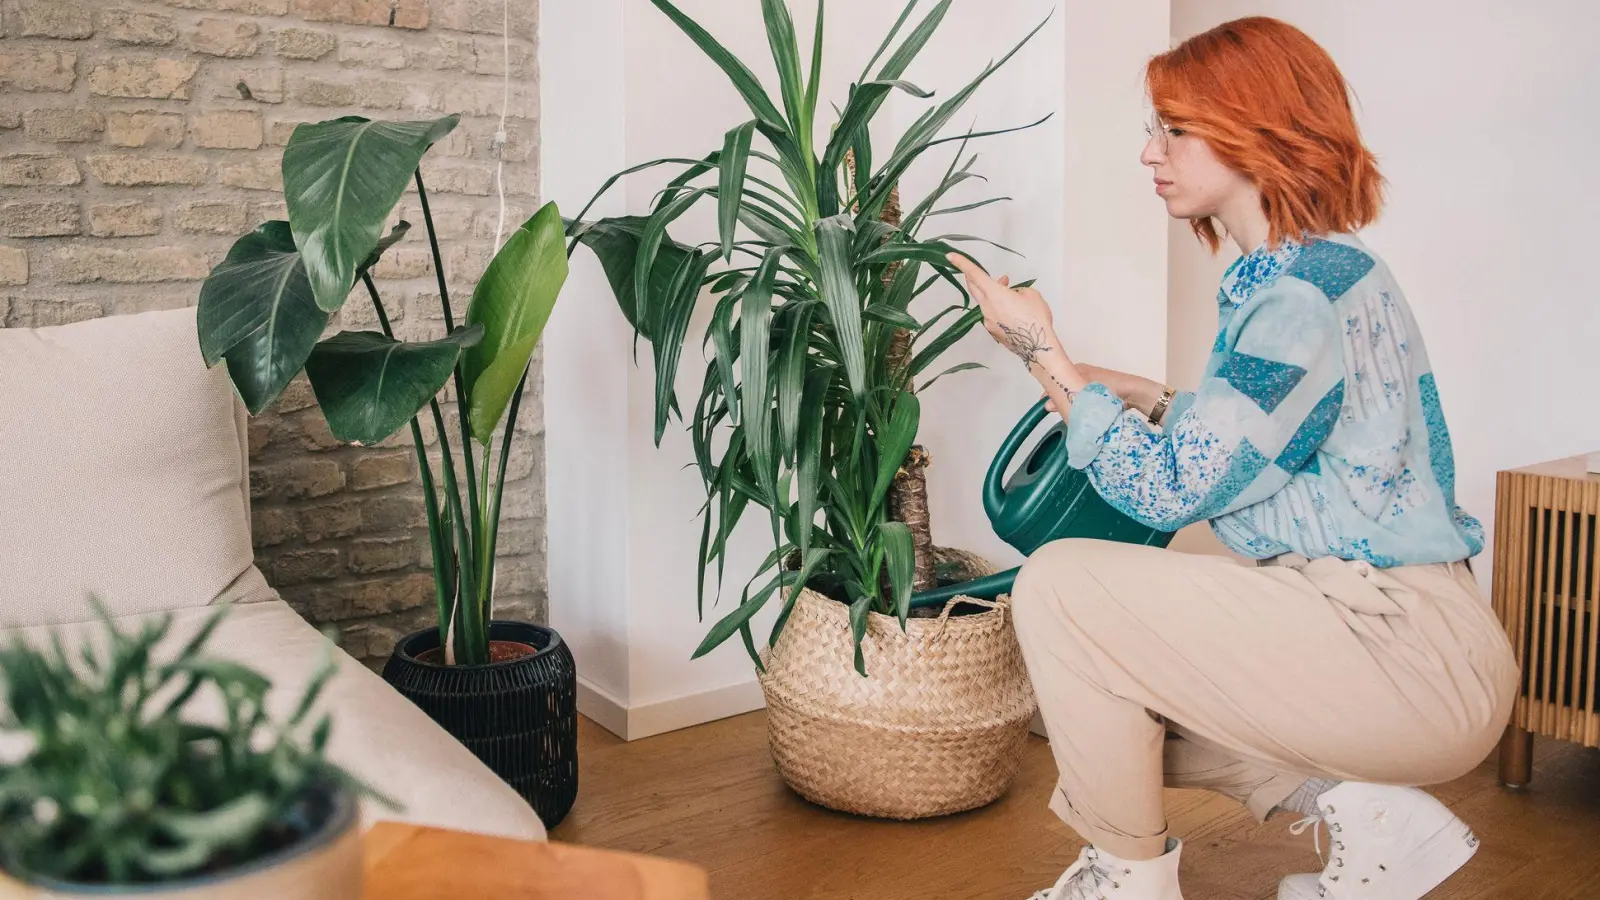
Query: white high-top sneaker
(1387,843)
(1097,875)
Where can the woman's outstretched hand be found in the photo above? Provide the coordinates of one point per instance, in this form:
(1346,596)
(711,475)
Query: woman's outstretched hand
(1020,320)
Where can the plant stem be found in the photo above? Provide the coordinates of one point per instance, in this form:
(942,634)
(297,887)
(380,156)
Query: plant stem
(463,405)
(493,533)
(443,578)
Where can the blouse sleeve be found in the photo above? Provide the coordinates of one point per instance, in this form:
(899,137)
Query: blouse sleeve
(1270,400)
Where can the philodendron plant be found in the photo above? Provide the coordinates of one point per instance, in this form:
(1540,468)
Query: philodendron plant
(807,407)
(264,309)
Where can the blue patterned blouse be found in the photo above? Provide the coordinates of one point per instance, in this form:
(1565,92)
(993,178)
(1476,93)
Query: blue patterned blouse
(1316,430)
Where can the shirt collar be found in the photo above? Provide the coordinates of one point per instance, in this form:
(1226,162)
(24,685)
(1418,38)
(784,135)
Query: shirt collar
(1258,267)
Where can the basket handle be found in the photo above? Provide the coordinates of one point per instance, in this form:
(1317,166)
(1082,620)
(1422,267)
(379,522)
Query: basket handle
(1001,603)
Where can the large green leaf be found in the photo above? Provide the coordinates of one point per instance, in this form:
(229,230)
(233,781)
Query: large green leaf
(730,188)
(370,385)
(755,332)
(786,55)
(900,557)
(671,325)
(257,312)
(839,294)
(895,442)
(791,378)
(615,243)
(341,179)
(512,302)
(650,243)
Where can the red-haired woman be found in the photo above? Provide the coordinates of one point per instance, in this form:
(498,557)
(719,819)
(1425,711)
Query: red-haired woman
(1359,656)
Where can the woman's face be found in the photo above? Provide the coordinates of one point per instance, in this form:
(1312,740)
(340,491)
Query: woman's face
(1188,176)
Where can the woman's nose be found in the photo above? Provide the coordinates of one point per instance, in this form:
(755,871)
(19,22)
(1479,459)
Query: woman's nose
(1152,154)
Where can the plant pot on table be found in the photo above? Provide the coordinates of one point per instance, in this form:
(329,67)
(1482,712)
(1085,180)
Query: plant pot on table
(318,859)
(936,727)
(518,714)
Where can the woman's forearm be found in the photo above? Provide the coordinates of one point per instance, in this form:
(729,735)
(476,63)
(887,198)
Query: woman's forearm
(1057,374)
(1136,391)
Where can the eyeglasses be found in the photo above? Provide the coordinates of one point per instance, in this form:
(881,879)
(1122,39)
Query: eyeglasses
(1160,131)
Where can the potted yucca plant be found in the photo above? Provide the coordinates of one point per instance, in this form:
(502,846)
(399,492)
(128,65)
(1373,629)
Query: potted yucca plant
(809,411)
(263,311)
(121,791)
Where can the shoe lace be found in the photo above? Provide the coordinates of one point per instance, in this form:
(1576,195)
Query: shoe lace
(1085,882)
(1315,822)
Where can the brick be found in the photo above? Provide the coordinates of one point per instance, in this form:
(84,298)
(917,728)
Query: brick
(10,118)
(267,212)
(258,175)
(54,19)
(369,555)
(401,263)
(303,43)
(393,513)
(42,218)
(258,433)
(300,566)
(278,133)
(489,57)
(227,129)
(477,181)
(485,17)
(360,316)
(160,130)
(28,69)
(212,217)
(446,52)
(412,14)
(127,170)
(372,54)
(449,221)
(45,313)
(375,470)
(337,602)
(158,78)
(312,432)
(333,520)
(62,125)
(309,477)
(38,170)
(238,83)
(248,7)
(480,98)
(130,218)
(520,537)
(13,266)
(225,37)
(270,527)
(128,27)
(112,265)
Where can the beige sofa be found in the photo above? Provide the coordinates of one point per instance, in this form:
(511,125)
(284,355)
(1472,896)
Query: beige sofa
(124,474)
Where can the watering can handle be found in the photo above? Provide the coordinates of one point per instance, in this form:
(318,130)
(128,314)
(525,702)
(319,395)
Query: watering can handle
(994,484)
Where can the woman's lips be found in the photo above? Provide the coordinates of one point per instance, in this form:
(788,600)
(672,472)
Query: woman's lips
(1162,187)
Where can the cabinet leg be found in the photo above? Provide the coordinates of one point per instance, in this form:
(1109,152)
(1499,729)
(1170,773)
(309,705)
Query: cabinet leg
(1516,757)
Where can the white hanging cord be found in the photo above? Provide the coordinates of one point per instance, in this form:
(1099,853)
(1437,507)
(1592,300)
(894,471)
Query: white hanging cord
(498,145)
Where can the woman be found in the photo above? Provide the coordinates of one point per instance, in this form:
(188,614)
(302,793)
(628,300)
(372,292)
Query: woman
(1358,655)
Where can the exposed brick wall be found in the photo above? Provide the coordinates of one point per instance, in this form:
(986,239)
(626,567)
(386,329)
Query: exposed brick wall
(139,139)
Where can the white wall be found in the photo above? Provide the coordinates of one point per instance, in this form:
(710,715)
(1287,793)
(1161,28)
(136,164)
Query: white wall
(1479,113)
(621,85)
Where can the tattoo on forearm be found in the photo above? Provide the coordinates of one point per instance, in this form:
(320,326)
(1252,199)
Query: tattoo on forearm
(1027,342)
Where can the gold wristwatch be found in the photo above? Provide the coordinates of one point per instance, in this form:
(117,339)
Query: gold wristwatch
(1160,409)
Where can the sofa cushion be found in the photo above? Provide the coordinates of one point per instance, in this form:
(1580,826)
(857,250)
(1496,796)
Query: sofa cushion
(124,469)
(378,735)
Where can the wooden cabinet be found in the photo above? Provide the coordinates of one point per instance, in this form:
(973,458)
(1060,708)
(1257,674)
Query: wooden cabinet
(1547,593)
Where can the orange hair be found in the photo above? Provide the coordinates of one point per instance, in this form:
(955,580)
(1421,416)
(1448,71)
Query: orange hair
(1273,106)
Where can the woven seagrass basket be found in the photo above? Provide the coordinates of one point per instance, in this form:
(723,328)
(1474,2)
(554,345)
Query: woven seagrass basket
(938,725)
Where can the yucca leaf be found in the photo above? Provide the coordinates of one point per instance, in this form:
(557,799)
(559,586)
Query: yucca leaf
(721,333)
(791,378)
(858,627)
(676,307)
(744,81)
(903,85)
(894,443)
(576,224)
(730,188)
(733,621)
(897,64)
(945,340)
(810,470)
(958,367)
(786,55)
(809,564)
(655,231)
(839,294)
(615,243)
(814,83)
(880,312)
(755,330)
(888,38)
(900,559)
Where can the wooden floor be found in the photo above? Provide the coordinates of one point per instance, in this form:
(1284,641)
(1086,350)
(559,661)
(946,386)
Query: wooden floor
(709,795)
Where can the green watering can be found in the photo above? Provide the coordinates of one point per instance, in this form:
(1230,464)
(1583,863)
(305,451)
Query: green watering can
(1045,500)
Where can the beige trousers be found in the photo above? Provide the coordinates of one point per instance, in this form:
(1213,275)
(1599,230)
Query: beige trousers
(1156,667)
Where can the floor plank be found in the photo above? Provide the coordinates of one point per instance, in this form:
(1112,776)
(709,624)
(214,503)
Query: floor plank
(709,795)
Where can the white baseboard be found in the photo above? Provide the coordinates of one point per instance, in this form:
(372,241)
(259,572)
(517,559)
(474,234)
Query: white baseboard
(633,723)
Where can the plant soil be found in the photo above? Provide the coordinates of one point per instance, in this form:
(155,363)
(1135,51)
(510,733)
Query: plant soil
(499,651)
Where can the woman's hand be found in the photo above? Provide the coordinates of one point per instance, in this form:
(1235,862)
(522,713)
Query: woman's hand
(1020,320)
(1015,317)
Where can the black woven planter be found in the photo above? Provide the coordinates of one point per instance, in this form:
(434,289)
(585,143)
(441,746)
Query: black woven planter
(519,716)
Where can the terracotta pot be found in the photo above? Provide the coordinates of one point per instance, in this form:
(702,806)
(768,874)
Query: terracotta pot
(323,865)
